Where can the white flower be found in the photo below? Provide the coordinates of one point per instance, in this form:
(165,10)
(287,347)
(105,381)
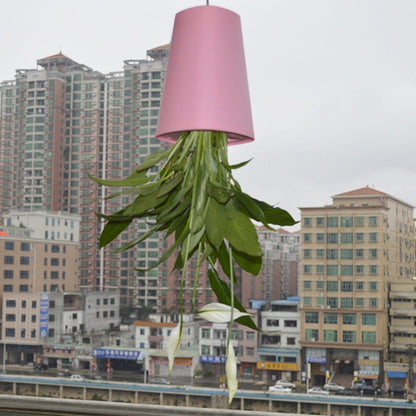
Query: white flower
(219,312)
(172,344)
(231,372)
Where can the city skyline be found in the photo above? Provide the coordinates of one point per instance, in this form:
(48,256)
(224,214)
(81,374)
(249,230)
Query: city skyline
(332,79)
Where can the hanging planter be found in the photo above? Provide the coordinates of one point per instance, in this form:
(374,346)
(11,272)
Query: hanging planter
(194,196)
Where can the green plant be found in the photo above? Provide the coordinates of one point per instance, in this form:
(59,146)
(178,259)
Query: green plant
(189,192)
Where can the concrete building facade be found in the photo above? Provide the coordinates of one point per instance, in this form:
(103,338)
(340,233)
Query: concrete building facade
(352,250)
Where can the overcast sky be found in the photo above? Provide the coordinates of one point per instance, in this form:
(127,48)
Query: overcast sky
(332,82)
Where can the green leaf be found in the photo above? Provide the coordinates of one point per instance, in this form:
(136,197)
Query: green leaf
(240,165)
(223,294)
(153,159)
(252,208)
(242,235)
(137,241)
(111,231)
(135,179)
(224,259)
(143,204)
(169,186)
(248,263)
(215,223)
(220,193)
(275,215)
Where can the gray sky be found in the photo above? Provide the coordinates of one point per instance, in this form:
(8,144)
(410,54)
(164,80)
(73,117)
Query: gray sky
(332,82)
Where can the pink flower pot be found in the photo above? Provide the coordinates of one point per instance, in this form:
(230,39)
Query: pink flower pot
(206,84)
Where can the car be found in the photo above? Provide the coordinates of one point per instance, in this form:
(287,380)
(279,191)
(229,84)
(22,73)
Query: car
(284,383)
(64,373)
(159,380)
(279,389)
(397,392)
(317,390)
(333,387)
(41,366)
(95,377)
(77,377)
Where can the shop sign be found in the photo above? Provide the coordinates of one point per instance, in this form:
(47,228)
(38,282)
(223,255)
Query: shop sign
(266,365)
(118,354)
(211,359)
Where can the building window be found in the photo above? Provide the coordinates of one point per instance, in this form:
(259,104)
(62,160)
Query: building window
(320,269)
(346,238)
(373,269)
(320,301)
(8,260)
(312,317)
(307,222)
(320,253)
(332,254)
(346,286)
(349,336)
(330,335)
(372,220)
(307,301)
(24,246)
(359,221)
(250,335)
(373,285)
(332,238)
(10,332)
(332,222)
(330,318)
(8,274)
(311,335)
(320,285)
(10,317)
(307,253)
(320,237)
(10,303)
(320,221)
(23,318)
(23,288)
(368,337)
(55,248)
(368,318)
(332,286)
(359,302)
(33,333)
(24,274)
(346,254)
(9,245)
(332,270)
(346,221)
(346,270)
(359,253)
(373,302)
(349,319)
(250,351)
(372,237)
(23,333)
(307,269)
(307,284)
(307,237)
(272,322)
(291,341)
(359,237)
(34,304)
(33,318)
(332,302)
(205,350)
(359,269)
(7,288)
(24,260)
(54,261)
(346,302)
(359,285)
(372,253)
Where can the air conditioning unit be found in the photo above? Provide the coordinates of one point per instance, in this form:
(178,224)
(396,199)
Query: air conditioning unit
(320,278)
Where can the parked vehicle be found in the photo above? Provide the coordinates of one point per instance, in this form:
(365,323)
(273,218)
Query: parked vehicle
(317,390)
(41,366)
(279,389)
(333,387)
(397,392)
(77,377)
(287,384)
(64,373)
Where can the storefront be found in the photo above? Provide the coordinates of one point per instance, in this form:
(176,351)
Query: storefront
(272,371)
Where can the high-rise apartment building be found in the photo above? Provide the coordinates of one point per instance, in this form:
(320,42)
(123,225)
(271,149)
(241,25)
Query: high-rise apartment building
(63,121)
(351,250)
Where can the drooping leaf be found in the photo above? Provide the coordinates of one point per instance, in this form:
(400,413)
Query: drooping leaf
(135,179)
(220,193)
(240,165)
(231,371)
(251,264)
(275,215)
(242,235)
(223,293)
(224,259)
(172,344)
(252,208)
(219,312)
(153,159)
(215,223)
(111,231)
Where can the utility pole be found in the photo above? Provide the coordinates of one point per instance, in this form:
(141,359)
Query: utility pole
(410,375)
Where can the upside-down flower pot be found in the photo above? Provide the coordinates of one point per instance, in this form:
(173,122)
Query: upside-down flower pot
(206,84)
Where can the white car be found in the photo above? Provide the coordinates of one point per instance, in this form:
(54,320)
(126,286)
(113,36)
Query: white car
(279,389)
(317,390)
(284,383)
(333,387)
(76,377)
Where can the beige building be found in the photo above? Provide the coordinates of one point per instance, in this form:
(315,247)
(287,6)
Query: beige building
(351,250)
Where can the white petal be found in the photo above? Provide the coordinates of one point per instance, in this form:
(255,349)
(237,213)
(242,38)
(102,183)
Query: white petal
(219,312)
(231,372)
(172,345)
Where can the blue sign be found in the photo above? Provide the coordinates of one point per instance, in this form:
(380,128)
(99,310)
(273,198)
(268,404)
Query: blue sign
(316,359)
(44,315)
(114,353)
(211,359)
